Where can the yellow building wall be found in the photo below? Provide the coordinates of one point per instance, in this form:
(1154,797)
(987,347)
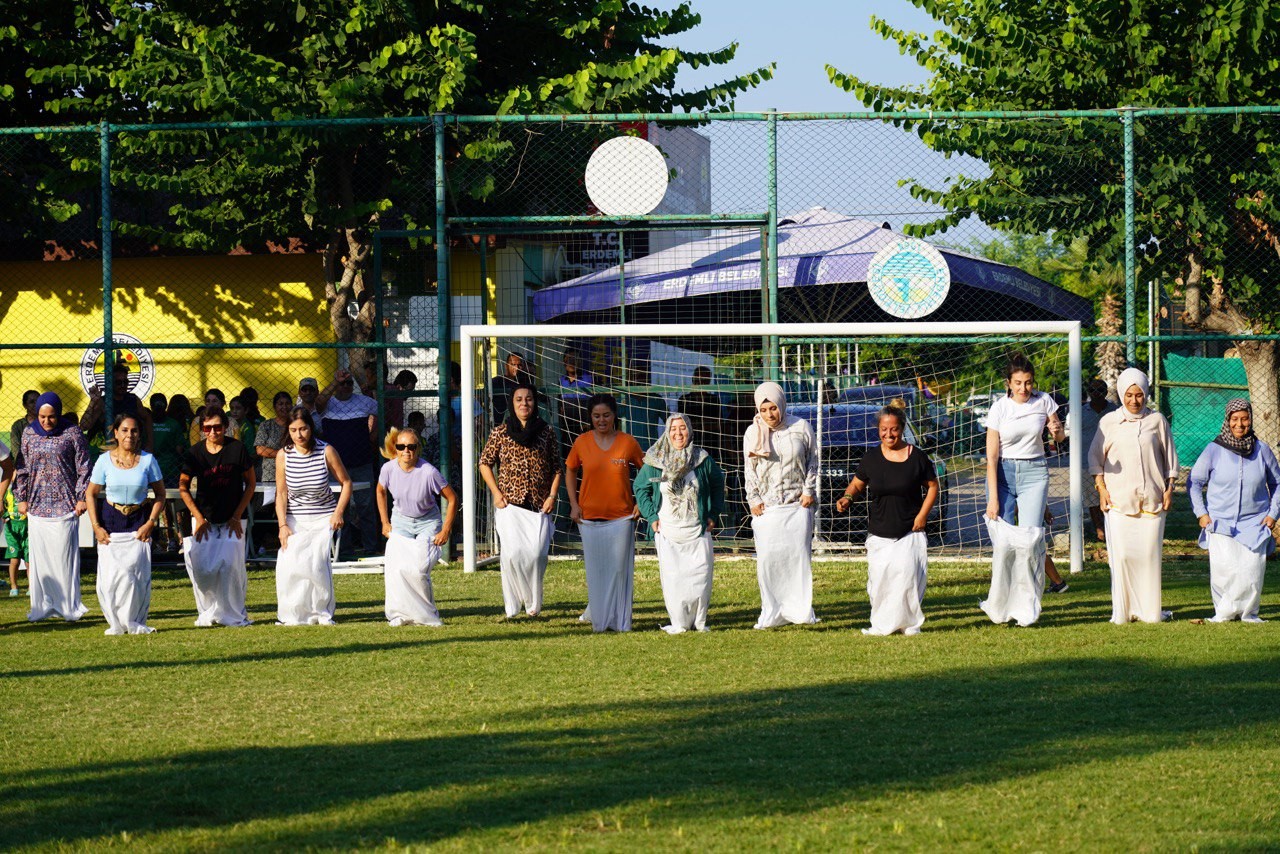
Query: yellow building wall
(259,299)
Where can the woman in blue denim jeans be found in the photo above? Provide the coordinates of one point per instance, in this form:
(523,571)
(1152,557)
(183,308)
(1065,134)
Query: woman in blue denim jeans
(1017,473)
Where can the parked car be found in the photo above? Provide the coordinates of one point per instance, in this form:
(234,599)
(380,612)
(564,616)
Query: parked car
(845,432)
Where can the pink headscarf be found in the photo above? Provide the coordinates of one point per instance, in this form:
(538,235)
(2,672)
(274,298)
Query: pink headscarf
(758,441)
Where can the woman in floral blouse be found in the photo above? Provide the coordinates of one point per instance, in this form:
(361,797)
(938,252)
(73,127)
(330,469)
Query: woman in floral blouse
(524,492)
(50,487)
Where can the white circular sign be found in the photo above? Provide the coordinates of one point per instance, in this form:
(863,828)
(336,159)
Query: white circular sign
(129,351)
(909,278)
(626,176)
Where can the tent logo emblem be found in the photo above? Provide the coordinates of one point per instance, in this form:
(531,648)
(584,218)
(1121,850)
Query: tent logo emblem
(908,278)
(129,351)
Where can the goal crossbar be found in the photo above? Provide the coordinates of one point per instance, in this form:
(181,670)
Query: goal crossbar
(1069,329)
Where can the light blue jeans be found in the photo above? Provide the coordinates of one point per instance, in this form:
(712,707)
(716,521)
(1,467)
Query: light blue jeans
(416,526)
(1022,488)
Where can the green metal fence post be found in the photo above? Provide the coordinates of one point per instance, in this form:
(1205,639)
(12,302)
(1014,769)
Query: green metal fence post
(443,322)
(773,239)
(1130,244)
(380,335)
(108,333)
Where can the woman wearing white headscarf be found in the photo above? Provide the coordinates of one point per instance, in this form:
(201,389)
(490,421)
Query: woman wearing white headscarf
(781,479)
(1134,464)
(1242,478)
(680,492)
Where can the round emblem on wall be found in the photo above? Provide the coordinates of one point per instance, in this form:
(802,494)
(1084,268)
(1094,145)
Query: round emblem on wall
(909,278)
(129,351)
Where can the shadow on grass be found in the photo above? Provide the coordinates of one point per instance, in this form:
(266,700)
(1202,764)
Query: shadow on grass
(412,636)
(722,757)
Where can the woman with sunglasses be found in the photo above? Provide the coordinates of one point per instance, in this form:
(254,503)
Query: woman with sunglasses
(222,471)
(413,527)
(308,515)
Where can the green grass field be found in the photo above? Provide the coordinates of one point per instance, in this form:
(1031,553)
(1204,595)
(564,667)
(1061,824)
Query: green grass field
(536,733)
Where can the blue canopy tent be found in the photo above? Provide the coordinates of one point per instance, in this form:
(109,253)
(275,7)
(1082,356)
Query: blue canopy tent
(823,258)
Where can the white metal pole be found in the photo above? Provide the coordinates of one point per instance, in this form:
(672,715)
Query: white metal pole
(1075,453)
(468,453)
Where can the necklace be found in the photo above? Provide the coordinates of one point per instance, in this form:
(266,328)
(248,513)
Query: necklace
(122,464)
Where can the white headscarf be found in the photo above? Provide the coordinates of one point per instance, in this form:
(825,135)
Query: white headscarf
(675,463)
(759,443)
(1130,377)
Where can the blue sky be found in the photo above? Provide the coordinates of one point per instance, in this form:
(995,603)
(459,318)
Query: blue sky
(801,36)
(851,167)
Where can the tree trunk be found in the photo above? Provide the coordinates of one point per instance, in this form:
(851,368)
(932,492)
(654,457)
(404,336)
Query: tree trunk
(1258,359)
(1109,355)
(1260,366)
(347,291)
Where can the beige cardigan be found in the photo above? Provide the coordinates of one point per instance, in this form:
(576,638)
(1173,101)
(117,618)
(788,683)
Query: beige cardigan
(1136,458)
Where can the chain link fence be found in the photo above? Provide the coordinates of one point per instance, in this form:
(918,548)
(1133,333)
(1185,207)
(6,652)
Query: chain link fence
(232,261)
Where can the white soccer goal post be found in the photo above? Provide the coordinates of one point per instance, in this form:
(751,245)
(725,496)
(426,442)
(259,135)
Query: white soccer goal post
(836,375)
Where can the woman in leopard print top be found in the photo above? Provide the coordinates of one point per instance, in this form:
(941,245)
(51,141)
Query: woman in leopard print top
(527,456)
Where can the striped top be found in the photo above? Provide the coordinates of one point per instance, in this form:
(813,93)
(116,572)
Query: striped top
(307,477)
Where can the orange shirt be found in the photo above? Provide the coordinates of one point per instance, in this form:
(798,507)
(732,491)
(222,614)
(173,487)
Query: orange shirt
(604,487)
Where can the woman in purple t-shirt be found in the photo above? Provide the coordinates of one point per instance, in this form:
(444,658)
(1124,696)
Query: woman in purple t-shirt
(415,486)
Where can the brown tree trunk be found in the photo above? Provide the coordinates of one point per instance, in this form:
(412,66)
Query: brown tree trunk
(347,286)
(1258,359)
(1260,367)
(1109,355)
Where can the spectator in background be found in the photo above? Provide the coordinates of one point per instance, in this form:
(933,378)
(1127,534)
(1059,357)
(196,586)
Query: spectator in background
(123,402)
(574,411)
(251,418)
(15,536)
(349,420)
(644,415)
(418,423)
(394,406)
(169,445)
(308,393)
(703,409)
(236,410)
(15,432)
(514,372)
(180,409)
(431,448)
(272,435)
(1097,407)
(213,399)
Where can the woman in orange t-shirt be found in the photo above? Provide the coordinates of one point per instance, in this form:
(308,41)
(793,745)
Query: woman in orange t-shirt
(601,502)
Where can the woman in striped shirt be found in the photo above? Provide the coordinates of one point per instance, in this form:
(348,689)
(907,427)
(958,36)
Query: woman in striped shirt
(308,515)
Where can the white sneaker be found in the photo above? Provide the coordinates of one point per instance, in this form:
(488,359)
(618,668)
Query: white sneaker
(1252,618)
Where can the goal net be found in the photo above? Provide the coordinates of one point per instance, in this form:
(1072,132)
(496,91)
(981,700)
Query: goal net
(945,376)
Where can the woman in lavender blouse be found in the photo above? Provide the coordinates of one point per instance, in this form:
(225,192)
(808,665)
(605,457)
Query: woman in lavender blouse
(1235,492)
(50,487)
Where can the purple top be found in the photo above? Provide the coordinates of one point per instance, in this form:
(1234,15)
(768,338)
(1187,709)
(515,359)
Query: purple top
(414,491)
(54,473)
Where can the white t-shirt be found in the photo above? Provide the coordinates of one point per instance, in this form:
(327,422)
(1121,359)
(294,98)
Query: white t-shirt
(1021,425)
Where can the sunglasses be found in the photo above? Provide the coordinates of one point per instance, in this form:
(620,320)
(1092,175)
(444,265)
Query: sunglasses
(347,382)
(413,446)
(209,428)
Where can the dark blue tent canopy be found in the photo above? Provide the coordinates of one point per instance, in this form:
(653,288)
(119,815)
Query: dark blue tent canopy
(823,258)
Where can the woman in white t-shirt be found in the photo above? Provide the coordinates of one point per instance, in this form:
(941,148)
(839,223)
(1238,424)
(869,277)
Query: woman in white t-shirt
(1017,491)
(1017,473)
